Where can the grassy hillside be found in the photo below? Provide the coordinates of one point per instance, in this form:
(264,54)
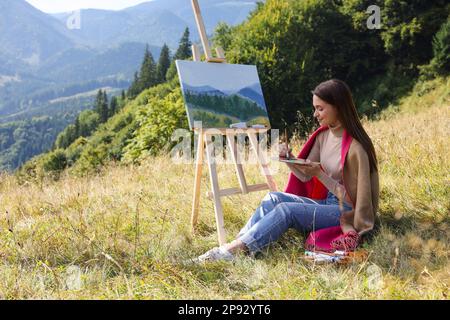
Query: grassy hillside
(124,232)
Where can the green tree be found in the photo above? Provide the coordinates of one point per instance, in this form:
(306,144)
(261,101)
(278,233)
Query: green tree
(440,64)
(99,101)
(163,64)
(184,50)
(157,120)
(55,161)
(298,44)
(147,76)
(104,112)
(223,35)
(66,137)
(89,121)
(172,73)
(101,105)
(134,88)
(410,27)
(77,126)
(441,50)
(112,106)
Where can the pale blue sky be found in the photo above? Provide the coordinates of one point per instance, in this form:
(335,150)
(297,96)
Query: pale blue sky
(54,6)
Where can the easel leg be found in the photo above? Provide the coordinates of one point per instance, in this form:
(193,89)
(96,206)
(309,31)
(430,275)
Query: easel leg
(215,191)
(262,162)
(198,179)
(238,165)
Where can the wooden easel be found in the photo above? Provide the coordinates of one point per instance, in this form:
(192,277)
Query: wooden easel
(205,139)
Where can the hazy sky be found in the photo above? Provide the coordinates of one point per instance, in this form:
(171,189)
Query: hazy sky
(53,6)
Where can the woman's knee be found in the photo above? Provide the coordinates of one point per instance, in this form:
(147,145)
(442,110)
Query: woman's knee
(285,211)
(274,196)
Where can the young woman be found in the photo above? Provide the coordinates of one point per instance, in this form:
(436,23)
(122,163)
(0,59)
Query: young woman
(342,190)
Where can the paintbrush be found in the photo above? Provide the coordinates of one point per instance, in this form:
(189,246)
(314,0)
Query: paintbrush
(287,143)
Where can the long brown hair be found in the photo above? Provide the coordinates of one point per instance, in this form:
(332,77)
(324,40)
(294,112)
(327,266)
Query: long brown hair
(337,93)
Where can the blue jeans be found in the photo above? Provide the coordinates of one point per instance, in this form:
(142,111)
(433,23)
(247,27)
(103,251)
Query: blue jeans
(280,211)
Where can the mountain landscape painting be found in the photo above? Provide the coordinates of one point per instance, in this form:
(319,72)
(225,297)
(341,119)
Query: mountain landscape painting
(222,95)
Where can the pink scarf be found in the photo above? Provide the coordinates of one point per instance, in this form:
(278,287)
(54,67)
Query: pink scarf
(314,189)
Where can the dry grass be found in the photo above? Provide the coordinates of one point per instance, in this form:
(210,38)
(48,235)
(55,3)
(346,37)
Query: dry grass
(125,232)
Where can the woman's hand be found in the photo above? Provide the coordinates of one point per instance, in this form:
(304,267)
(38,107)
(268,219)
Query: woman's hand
(284,152)
(311,169)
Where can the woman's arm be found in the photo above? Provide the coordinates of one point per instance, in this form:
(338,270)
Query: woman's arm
(314,156)
(298,173)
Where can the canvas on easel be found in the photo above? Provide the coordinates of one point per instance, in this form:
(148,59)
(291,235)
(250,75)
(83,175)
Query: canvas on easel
(221,96)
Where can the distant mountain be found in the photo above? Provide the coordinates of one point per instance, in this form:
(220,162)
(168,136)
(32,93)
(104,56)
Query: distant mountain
(213,11)
(253,93)
(155,22)
(70,56)
(116,62)
(73,71)
(29,36)
(157,28)
(8,65)
(208,90)
(98,27)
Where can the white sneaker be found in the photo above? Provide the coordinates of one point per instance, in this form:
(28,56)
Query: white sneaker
(216,254)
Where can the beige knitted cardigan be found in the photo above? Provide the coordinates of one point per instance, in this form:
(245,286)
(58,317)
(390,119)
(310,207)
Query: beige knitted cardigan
(361,185)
